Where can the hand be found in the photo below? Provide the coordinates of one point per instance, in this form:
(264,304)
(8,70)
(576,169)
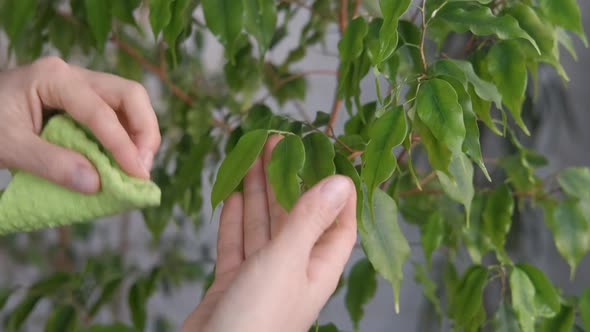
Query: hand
(275,271)
(116,110)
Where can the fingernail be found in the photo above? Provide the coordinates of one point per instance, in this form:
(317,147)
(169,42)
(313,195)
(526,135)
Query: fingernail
(85,180)
(335,191)
(146,159)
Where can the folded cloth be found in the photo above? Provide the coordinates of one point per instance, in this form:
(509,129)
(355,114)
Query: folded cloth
(30,202)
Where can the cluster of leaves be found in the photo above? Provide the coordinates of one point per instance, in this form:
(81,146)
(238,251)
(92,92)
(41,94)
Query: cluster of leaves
(433,105)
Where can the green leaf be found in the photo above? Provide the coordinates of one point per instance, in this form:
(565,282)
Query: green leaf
(482,108)
(17,14)
(476,240)
(319,158)
(459,187)
(432,235)
(585,309)
(123,10)
(497,217)
(383,241)
(387,131)
(22,311)
(429,287)
(388,36)
(362,286)
(540,31)
(570,223)
(546,296)
(180,14)
(324,328)
(523,299)
(62,35)
(563,322)
(565,13)
(438,107)
(505,319)
(108,291)
(259,117)
(62,319)
(51,284)
(260,20)
(350,46)
(119,327)
(506,64)
(225,18)
(321,119)
(236,165)
(345,167)
(575,181)
(98,14)
(288,158)
(482,22)
(5,294)
(160,15)
(439,153)
(139,294)
(466,301)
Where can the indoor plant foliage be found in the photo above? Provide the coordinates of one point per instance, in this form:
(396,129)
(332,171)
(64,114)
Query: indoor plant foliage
(429,103)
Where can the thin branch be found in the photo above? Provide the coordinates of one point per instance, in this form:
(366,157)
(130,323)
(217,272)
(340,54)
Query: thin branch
(357,5)
(293,77)
(334,114)
(343,19)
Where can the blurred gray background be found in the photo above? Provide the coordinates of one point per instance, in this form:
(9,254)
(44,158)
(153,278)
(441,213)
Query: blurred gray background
(563,145)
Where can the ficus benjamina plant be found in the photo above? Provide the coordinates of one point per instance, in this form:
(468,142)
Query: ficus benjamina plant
(414,153)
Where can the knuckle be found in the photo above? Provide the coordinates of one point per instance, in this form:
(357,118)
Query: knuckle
(51,65)
(137,90)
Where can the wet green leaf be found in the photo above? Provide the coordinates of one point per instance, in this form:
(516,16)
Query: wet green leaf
(459,187)
(225,18)
(523,299)
(288,158)
(260,20)
(432,235)
(466,301)
(497,217)
(319,158)
(388,36)
(546,296)
(362,286)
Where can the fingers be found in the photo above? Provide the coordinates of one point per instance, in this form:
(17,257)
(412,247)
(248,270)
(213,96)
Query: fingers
(62,166)
(315,212)
(60,86)
(131,101)
(278,215)
(256,217)
(230,241)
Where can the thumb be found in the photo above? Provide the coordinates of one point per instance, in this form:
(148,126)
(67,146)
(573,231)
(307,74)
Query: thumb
(62,166)
(316,211)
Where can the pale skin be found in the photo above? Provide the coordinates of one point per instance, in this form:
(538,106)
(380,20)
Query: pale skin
(274,271)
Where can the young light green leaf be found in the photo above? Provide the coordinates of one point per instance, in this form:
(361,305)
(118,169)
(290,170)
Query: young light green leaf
(585,308)
(383,241)
(438,108)
(160,15)
(387,131)
(507,67)
(523,299)
(225,18)
(288,158)
(429,288)
(466,301)
(98,14)
(260,20)
(236,165)
(388,36)
(319,158)
(497,217)
(180,14)
(482,22)
(459,187)
(569,222)
(546,296)
(505,319)
(62,319)
(362,286)
(565,13)
(432,235)
(575,181)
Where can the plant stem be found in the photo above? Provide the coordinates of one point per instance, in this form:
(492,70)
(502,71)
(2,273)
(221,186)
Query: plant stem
(423,38)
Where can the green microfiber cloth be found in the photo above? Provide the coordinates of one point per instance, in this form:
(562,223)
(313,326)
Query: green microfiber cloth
(30,202)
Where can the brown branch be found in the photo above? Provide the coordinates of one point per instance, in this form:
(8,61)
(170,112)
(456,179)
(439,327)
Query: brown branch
(63,261)
(333,114)
(343,19)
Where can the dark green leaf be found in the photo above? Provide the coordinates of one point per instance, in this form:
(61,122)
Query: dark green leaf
(118,327)
(429,287)
(466,300)
(482,108)
(475,239)
(319,158)
(180,14)
(139,293)
(108,291)
(505,319)
(523,299)
(98,15)
(575,181)
(259,117)
(585,309)
(321,119)
(22,311)
(123,10)
(324,328)
(459,187)
(350,46)
(62,319)
(432,235)
(260,20)
(62,35)
(388,131)
(563,322)
(224,19)
(236,165)
(288,158)
(439,153)
(17,14)
(546,296)
(383,241)
(506,64)
(362,286)
(391,10)
(51,284)
(438,108)
(345,167)
(4,296)
(160,15)
(497,217)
